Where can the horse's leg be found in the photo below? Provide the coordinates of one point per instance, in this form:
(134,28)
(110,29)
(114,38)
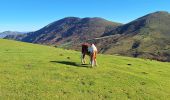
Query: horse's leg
(95,60)
(92,60)
(82,58)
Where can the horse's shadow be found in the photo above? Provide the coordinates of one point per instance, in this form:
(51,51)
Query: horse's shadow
(71,63)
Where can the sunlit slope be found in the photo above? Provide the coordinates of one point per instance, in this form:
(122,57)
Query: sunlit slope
(35,72)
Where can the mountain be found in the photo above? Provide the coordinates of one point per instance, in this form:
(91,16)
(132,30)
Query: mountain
(69,29)
(145,37)
(6,33)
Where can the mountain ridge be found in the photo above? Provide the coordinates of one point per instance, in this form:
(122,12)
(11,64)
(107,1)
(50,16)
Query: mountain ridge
(70,28)
(145,37)
(150,34)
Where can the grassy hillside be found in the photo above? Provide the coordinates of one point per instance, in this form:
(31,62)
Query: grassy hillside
(35,72)
(145,37)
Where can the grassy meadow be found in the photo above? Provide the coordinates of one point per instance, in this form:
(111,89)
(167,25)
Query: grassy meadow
(36,72)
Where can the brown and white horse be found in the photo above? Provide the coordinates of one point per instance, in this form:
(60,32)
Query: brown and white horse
(91,50)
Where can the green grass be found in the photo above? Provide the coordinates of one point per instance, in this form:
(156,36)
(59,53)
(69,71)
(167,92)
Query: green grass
(35,72)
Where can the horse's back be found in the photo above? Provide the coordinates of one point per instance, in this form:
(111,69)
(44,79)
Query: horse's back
(85,47)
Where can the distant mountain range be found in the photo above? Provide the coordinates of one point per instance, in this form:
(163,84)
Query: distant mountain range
(7,33)
(145,37)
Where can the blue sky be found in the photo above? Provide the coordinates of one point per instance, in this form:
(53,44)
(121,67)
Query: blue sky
(31,15)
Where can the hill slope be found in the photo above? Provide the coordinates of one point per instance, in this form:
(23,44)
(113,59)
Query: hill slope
(147,37)
(34,72)
(67,30)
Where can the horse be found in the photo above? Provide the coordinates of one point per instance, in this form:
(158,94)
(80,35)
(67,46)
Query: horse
(90,50)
